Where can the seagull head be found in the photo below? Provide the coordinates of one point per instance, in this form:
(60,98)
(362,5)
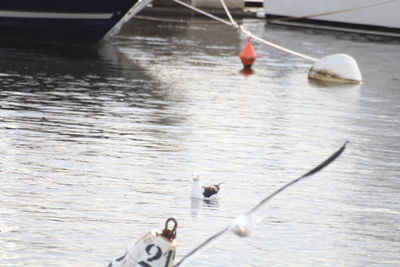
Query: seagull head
(196,177)
(242,226)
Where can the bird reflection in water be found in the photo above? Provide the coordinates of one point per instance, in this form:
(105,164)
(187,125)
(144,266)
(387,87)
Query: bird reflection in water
(195,204)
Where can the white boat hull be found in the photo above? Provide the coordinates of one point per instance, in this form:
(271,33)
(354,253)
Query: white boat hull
(365,14)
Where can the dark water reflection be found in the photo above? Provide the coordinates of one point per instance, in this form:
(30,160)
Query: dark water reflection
(99,145)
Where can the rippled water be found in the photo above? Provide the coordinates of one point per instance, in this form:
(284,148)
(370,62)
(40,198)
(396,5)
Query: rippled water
(98,146)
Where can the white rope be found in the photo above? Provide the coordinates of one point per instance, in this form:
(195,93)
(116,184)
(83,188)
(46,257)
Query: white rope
(203,12)
(277,46)
(233,22)
(242,29)
(128,16)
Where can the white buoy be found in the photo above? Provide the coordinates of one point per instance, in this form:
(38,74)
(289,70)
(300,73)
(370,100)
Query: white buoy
(339,68)
(153,249)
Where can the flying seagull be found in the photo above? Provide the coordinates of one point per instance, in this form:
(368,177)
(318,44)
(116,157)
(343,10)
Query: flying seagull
(201,192)
(243,224)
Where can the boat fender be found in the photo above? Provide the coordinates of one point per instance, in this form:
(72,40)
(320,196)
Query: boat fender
(339,68)
(154,249)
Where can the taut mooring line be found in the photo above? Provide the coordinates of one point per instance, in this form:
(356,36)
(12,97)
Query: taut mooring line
(242,29)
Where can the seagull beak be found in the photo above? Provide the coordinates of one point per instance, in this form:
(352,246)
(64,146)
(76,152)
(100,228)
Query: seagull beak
(242,231)
(243,226)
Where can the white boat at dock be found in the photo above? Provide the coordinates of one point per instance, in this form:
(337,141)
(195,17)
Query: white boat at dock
(367,16)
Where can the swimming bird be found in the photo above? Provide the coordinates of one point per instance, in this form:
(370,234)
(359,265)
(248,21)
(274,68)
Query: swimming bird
(243,225)
(203,192)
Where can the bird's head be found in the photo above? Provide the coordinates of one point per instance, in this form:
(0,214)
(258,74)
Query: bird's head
(242,226)
(195,177)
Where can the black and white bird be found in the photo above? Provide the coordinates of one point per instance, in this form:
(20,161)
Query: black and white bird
(203,192)
(243,225)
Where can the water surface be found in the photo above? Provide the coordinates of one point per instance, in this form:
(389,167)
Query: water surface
(99,146)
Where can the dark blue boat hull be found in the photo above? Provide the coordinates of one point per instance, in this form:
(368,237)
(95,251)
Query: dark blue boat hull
(60,20)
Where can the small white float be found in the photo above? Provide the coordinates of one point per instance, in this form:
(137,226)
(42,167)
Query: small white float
(340,68)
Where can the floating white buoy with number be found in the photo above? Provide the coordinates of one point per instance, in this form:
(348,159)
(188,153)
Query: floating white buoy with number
(153,249)
(340,68)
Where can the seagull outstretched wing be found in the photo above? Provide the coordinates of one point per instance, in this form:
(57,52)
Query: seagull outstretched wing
(322,165)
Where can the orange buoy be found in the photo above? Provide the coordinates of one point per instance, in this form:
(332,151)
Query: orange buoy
(248,55)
